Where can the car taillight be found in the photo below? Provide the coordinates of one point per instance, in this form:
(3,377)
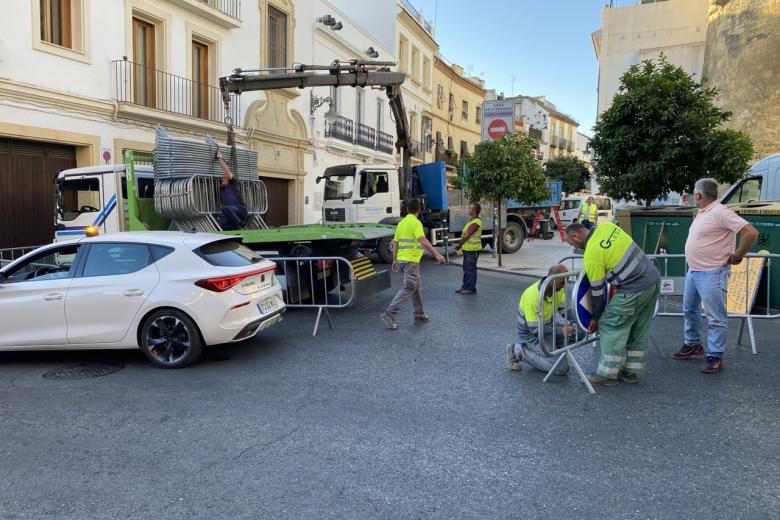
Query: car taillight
(223,283)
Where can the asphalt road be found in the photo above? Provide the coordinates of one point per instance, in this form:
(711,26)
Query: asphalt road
(362,422)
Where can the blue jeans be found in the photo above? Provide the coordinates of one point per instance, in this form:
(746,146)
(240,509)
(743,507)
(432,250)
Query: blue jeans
(708,287)
(470,270)
(233,217)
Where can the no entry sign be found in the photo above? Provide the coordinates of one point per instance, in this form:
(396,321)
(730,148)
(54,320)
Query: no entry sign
(497,118)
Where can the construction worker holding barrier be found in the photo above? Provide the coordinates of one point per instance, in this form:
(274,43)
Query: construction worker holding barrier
(526,347)
(624,325)
(470,245)
(408,245)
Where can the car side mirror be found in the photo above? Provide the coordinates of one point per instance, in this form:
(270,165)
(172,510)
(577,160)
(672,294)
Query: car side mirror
(318,179)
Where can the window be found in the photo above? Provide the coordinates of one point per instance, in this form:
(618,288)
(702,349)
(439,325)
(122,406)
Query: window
(412,123)
(144,92)
(439,140)
(439,97)
(114,259)
(425,132)
(478,115)
(452,103)
(403,53)
(464,110)
(57,22)
(200,77)
(227,253)
(359,105)
(749,190)
(426,72)
(160,252)
(52,264)
(449,143)
(380,115)
(277,37)
(415,63)
(339,187)
(464,148)
(78,196)
(372,183)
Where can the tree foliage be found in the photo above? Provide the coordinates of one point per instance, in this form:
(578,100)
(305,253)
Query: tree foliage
(663,133)
(570,171)
(505,169)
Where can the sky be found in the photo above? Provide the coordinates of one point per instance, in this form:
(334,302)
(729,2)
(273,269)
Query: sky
(544,44)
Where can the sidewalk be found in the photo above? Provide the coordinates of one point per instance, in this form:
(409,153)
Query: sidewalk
(533,259)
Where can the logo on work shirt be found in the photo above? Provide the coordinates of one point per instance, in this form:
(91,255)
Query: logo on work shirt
(607,242)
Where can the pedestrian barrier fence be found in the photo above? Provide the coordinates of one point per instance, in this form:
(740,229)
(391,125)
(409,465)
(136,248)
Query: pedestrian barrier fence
(9,254)
(328,282)
(552,345)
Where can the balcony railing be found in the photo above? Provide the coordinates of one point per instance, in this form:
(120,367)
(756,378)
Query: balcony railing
(144,86)
(448,156)
(365,136)
(342,129)
(562,143)
(229,7)
(385,142)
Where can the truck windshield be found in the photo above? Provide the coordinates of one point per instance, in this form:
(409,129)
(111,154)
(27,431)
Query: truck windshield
(77,196)
(339,187)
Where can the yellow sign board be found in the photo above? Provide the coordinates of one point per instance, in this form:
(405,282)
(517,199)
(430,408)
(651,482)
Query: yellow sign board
(743,285)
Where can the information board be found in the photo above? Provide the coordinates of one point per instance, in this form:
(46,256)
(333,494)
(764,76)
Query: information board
(743,285)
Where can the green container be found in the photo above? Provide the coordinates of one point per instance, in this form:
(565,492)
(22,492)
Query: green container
(665,229)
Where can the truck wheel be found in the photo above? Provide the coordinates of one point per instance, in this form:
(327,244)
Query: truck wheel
(385,249)
(513,237)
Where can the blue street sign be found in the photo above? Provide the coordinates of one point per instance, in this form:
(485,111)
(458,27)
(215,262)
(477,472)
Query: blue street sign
(582,303)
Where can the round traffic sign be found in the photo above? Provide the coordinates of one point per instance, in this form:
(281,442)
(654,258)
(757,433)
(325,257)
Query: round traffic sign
(582,300)
(497,128)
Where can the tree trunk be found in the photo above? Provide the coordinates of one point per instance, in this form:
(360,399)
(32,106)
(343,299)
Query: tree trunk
(500,240)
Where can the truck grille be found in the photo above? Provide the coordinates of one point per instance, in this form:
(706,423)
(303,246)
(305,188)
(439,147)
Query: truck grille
(335,215)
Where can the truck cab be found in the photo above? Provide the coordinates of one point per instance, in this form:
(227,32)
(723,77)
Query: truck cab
(97,196)
(360,193)
(761,183)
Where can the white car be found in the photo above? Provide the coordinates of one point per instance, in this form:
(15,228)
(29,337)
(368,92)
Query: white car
(169,294)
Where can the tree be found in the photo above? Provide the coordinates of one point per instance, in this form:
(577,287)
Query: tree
(570,171)
(663,133)
(505,169)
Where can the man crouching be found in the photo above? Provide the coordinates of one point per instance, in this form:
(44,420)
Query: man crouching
(526,347)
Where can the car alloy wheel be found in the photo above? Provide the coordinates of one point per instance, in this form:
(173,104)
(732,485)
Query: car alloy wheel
(170,339)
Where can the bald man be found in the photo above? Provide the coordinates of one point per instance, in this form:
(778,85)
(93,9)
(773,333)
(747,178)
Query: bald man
(526,347)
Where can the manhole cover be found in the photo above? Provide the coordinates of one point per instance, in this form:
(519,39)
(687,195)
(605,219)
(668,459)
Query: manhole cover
(83,371)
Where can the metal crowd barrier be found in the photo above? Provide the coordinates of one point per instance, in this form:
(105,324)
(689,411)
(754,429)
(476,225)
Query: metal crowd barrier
(327,282)
(667,300)
(9,254)
(581,339)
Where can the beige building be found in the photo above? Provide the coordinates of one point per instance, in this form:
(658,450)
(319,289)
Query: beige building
(416,49)
(457,112)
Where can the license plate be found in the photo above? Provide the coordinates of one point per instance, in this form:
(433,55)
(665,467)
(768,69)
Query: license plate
(267,306)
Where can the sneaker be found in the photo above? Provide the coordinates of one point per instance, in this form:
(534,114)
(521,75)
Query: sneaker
(466,291)
(713,365)
(628,378)
(688,351)
(389,321)
(422,319)
(511,361)
(597,380)
(460,291)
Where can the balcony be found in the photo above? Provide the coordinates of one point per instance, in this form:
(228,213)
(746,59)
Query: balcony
(365,136)
(536,133)
(415,148)
(143,86)
(385,142)
(226,13)
(342,129)
(562,143)
(554,141)
(448,156)
(570,147)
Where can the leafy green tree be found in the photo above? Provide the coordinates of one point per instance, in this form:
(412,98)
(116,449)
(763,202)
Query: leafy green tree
(570,171)
(505,169)
(663,133)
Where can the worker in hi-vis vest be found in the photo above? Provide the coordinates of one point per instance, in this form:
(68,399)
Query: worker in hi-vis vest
(470,245)
(623,324)
(554,321)
(588,213)
(408,245)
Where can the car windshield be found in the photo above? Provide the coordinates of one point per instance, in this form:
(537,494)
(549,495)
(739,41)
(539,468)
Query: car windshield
(569,204)
(228,253)
(339,187)
(77,196)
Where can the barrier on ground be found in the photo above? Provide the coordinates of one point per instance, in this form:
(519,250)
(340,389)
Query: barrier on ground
(9,254)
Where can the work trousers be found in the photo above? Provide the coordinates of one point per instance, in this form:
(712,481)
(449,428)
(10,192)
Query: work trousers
(709,288)
(531,351)
(470,270)
(410,288)
(233,217)
(624,329)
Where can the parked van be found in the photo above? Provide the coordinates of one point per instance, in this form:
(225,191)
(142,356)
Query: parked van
(571,206)
(761,183)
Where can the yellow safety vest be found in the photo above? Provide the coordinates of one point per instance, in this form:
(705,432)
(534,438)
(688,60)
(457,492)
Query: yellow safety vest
(590,211)
(474,243)
(406,234)
(606,247)
(528,306)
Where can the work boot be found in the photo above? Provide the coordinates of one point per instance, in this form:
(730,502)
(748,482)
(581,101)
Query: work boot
(389,321)
(511,361)
(466,291)
(419,320)
(688,351)
(713,365)
(597,380)
(628,378)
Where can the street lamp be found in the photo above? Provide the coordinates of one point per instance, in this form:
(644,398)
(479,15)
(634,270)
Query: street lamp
(316,102)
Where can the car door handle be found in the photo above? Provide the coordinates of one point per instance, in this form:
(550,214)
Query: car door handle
(133,292)
(52,297)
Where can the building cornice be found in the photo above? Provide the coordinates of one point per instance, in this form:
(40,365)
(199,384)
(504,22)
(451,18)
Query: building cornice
(414,26)
(463,82)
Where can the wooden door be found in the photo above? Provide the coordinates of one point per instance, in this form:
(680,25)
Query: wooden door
(278,201)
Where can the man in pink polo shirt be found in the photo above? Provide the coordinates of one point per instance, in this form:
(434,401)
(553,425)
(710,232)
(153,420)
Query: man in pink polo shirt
(710,253)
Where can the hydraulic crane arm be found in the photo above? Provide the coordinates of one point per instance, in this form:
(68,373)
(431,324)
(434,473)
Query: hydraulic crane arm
(355,73)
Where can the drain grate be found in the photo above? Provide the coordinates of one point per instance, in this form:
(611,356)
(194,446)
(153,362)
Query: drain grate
(83,371)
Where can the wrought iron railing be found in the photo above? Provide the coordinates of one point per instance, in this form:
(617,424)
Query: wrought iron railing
(229,7)
(385,142)
(365,136)
(448,156)
(144,86)
(342,128)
